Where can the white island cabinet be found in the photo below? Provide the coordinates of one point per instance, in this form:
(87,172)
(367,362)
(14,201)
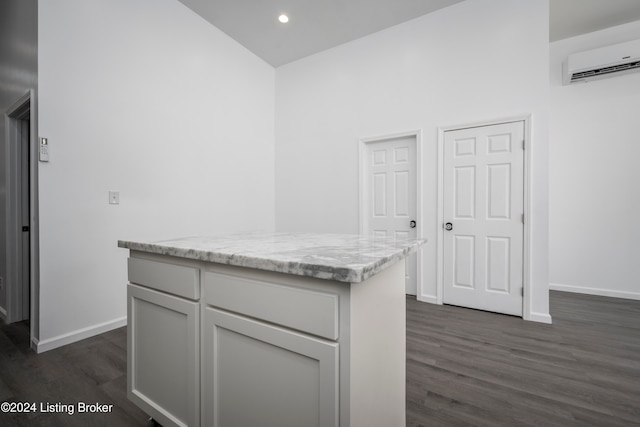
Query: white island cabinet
(269,330)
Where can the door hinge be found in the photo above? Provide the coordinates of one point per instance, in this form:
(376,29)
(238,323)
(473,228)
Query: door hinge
(523,144)
(522,291)
(522,218)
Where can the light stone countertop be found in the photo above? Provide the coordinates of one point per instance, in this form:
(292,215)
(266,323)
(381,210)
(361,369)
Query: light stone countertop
(341,257)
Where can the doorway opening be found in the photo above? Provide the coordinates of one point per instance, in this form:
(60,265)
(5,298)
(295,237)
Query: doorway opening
(21,218)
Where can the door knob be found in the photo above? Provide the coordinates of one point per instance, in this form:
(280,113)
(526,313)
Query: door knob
(412,224)
(448,226)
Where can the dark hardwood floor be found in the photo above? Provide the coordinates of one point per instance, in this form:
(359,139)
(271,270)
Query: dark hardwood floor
(467,367)
(464,367)
(90,371)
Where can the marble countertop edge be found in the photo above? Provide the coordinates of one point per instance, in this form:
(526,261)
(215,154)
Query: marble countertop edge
(329,262)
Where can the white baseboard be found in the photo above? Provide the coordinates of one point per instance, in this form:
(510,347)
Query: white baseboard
(427,298)
(531,316)
(594,291)
(80,334)
(538,317)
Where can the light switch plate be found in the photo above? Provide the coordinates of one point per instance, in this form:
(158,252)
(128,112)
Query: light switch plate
(114,197)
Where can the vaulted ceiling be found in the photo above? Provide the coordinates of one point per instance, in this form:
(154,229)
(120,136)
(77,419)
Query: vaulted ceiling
(316,25)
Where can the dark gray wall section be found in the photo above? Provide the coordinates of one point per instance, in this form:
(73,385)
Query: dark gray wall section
(18,74)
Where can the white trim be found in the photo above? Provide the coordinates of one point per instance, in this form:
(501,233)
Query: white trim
(440,217)
(362,201)
(527,300)
(34,307)
(594,291)
(428,299)
(78,335)
(527,312)
(539,317)
(3,315)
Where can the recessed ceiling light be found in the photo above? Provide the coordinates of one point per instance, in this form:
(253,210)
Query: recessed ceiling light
(283,18)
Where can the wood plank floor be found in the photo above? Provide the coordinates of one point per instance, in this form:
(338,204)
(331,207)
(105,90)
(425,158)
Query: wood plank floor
(89,371)
(464,367)
(467,367)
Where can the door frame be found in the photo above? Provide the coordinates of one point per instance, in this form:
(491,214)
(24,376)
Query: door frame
(23,109)
(526,250)
(363,144)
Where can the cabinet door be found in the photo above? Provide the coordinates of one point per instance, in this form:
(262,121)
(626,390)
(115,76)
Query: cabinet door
(163,356)
(257,374)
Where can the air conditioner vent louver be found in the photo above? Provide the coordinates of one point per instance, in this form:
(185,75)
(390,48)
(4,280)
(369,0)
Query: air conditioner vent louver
(604,62)
(606,70)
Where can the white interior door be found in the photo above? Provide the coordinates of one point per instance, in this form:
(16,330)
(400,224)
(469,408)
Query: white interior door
(484,215)
(390,169)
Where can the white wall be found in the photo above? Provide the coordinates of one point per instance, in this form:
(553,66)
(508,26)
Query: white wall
(145,98)
(478,60)
(594,198)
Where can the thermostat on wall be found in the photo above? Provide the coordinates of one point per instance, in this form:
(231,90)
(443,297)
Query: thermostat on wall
(44,150)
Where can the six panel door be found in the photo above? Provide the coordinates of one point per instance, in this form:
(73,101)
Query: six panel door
(391,195)
(483,215)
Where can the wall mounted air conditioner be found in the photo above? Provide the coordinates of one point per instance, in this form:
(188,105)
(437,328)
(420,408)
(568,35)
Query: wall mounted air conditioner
(601,63)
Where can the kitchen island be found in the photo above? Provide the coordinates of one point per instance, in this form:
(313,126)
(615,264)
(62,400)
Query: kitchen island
(268,329)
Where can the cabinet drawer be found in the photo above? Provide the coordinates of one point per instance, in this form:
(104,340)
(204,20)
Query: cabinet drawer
(174,279)
(305,310)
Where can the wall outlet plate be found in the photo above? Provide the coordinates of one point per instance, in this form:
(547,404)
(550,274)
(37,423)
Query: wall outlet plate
(114,197)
